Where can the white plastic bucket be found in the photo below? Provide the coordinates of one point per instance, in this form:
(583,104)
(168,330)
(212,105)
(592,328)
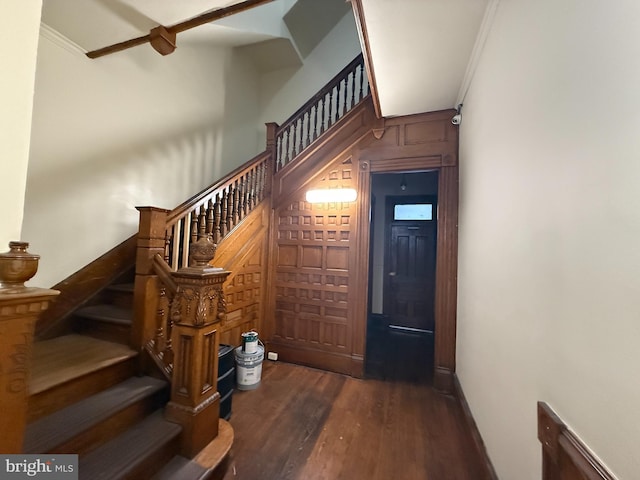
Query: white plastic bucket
(248,368)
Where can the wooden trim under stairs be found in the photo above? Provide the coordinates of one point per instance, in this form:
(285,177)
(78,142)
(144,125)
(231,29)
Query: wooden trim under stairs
(564,456)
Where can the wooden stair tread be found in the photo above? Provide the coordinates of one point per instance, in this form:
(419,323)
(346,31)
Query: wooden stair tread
(59,427)
(205,462)
(128,451)
(106,313)
(180,468)
(61,359)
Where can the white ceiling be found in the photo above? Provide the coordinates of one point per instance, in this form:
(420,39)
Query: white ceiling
(420,49)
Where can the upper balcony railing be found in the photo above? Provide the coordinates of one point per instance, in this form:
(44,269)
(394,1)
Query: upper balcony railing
(330,104)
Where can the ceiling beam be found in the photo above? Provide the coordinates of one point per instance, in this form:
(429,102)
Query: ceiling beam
(180,27)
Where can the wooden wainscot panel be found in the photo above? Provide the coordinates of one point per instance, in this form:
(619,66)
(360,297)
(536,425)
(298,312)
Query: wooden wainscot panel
(426,131)
(311,314)
(414,136)
(243,253)
(244,293)
(564,456)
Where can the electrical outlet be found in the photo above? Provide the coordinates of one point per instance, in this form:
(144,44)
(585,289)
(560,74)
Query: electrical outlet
(272,356)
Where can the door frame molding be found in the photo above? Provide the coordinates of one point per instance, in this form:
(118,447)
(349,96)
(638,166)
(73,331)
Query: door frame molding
(446,255)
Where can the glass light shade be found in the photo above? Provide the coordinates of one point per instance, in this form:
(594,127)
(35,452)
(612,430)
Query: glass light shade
(325,195)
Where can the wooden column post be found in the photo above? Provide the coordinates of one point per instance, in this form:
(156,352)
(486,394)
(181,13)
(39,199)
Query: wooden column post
(20,307)
(197,308)
(151,241)
(446,280)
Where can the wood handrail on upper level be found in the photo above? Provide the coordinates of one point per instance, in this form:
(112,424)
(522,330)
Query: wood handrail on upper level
(343,92)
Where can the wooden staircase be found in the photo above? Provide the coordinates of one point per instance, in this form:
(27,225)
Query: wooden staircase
(105,377)
(87,398)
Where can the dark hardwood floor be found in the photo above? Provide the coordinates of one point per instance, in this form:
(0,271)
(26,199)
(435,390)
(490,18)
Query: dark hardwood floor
(302,423)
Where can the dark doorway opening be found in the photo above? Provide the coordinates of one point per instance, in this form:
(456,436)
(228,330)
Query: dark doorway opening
(401,326)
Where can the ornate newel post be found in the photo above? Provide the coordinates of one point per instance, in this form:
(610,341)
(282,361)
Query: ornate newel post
(151,241)
(197,308)
(20,307)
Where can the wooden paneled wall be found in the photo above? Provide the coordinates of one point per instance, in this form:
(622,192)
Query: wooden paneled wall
(244,254)
(319,260)
(314,273)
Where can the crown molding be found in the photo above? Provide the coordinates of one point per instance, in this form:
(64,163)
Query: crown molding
(60,40)
(478,47)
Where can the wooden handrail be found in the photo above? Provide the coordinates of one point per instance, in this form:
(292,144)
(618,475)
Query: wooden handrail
(343,92)
(321,93)
(216,211)
(164,273)
(187,206)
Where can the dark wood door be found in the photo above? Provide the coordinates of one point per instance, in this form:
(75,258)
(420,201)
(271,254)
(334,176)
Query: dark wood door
(410,267)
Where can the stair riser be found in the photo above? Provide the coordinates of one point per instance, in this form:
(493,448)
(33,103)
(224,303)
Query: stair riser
(61,396)
(104,330)
(123,299)
(154,462)
(112,426)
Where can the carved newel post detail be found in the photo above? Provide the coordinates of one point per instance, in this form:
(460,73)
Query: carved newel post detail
(20,307)
(197,308)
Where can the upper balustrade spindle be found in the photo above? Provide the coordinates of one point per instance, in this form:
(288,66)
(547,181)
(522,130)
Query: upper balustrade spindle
(329,105)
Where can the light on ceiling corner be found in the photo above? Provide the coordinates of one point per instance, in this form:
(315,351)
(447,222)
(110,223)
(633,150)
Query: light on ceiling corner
(326,195)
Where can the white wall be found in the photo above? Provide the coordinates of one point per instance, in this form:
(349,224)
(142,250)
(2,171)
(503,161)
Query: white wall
(19,25)
(549,262)
(284,91)
(133,128)
(136,128)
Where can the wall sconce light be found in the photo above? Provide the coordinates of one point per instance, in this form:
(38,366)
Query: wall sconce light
(325,195)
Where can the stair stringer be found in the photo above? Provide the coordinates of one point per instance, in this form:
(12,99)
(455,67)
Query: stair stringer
(244,253)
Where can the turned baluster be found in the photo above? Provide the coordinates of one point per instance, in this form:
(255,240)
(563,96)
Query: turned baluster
(229,208)
(202,221)
(216,209)
(322,103)
(357,83)
(194,227)
(285,160)
(167,245)
(344,97)
(236,197)
(305,125)
(261,169)
(211,220)
(223,214)
(159,340)
(244,190)
(254,187)
(278,154)
(331,110)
